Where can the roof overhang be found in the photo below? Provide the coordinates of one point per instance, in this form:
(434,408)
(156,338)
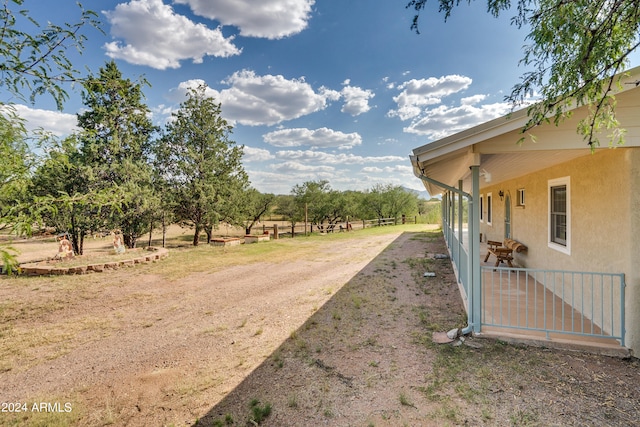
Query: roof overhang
(493,146)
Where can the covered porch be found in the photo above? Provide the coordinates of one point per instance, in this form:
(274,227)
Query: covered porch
(578,306)
(553,308)
(557,308)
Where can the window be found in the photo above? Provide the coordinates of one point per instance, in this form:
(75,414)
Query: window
(489,209)
(560,215)
(520,200)
(482,208)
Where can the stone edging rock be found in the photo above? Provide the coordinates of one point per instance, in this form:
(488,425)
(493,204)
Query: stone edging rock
(34,269)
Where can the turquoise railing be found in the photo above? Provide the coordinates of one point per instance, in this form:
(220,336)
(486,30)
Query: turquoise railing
(554,301)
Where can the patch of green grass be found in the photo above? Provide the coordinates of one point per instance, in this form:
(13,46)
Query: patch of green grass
(448,412)
(357,301)
(523,418)
(292,401)
(226,421)
(259,412)
(404,400)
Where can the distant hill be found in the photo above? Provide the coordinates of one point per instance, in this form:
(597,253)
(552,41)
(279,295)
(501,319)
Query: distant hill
(421,194)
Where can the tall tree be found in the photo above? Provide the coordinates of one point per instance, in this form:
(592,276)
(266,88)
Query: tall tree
(14,176)
(255,205)
(64,193)
(286,206)
(577,50)
(325,206)
(115,143)
(389,201)
(314,195)
(202,165)
(33,61)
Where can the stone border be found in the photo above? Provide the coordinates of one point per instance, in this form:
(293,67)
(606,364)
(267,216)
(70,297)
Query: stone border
(34,269)
(257,238)
(227,241)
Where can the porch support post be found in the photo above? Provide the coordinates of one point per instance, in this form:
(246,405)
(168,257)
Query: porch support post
(460,214)
(475,302)
(454,218)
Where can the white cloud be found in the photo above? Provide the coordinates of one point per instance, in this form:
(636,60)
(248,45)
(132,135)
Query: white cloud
(334,159)
(418,94)
(442,121)
(296,167)
(256,100)
(356,100)
(59,124)
(154,35)
(179,94)
(271,19)
(320,138)
(252,154)
(267,100)
(397,169)
(472,100)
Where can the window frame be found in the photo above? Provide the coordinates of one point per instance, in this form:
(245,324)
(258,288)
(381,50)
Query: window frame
(551,184)
(489,209)
(482,208)
(521,198)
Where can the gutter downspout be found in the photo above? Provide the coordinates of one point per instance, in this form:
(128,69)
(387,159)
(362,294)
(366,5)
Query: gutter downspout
(473,317)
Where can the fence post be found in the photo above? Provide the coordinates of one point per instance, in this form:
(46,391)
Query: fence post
(275,231)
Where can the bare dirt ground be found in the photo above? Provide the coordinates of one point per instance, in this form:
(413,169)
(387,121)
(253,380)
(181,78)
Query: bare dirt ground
(334,331)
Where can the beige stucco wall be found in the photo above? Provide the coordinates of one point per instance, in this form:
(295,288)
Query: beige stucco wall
(633,256)
(605,221)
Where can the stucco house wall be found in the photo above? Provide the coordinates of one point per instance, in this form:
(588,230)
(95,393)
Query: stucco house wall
(605,220)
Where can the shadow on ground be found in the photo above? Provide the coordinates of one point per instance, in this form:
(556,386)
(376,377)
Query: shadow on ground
(361,357)
(366,358)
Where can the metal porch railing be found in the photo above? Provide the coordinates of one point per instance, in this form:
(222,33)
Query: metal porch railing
(585,304)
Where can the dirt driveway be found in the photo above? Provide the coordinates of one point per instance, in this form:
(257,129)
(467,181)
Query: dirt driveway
(338,334)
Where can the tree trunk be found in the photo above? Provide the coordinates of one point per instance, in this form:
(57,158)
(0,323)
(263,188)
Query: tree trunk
(164,230)
(247,231)
(196,235)
(209,230)
(130,240)
(150,230)
(77,237)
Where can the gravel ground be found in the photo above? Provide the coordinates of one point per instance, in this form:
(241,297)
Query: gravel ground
(338,335)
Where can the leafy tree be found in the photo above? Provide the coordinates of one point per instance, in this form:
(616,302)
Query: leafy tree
(64,194)
(577,50)
(389,201)
(255,205)
(34,62)
(325,207)
(285,205)
(57,179)
(315,195)
(14,177)
(115,144)
(202,165)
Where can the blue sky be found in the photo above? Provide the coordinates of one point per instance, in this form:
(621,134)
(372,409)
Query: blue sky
(341,90)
